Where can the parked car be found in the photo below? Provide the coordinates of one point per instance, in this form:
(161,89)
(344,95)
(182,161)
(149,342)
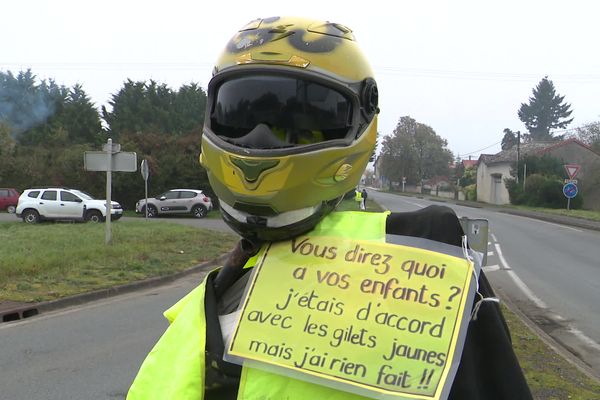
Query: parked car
(176,201)
(9,198)
(54,203)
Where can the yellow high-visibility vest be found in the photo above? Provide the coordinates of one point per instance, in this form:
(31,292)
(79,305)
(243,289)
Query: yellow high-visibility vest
(175,367)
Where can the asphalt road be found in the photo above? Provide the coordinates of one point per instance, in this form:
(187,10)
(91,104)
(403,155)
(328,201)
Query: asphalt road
(550,272)
(91,352)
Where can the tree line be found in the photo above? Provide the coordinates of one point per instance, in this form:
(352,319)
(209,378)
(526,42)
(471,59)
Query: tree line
(45,128)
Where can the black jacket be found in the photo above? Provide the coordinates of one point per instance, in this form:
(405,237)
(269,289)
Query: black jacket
(488,369)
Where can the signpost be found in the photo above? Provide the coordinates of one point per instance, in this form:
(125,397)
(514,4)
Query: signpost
(570,188)
(145,174)
(570,191)
(572,170)
(110,159)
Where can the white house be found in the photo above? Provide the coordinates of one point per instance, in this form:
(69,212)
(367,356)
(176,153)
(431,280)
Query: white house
(493,169)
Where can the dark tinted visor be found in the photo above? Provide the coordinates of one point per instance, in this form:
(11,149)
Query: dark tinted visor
(297,111)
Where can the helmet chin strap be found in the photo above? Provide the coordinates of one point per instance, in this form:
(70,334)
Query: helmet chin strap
(277,221)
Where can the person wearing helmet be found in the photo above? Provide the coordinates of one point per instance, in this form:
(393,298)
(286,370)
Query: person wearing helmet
(291,123)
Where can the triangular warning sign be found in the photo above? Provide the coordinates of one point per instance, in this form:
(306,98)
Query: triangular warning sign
(572,170)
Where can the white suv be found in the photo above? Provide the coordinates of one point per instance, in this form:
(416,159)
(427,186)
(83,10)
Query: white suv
(176,201)
(36,205)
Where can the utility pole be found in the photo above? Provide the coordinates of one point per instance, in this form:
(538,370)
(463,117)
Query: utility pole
(518,152)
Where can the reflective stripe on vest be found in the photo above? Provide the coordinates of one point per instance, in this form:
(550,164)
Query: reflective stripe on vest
(174,369)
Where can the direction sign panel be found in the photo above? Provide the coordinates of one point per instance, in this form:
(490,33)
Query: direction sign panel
(120,162)
(572,170)
(570,190)
(144,169)
(112,147)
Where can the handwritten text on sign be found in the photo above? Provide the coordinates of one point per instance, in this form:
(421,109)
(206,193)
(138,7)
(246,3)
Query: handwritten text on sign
(380,316)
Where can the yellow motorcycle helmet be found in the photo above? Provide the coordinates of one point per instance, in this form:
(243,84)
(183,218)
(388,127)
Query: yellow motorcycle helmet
(290,125)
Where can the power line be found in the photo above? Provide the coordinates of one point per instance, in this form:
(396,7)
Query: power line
(483,75)
(477,151)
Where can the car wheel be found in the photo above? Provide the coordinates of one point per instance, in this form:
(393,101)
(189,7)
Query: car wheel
(11,209)
(152,211)
(31,217)
(199,211)
(94,216)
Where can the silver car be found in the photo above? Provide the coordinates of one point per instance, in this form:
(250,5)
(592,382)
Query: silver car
(176,201)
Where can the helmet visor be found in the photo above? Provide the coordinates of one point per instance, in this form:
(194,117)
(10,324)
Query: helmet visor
(296,111)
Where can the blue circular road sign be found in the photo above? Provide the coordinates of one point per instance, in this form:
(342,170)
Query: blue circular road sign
(570,190)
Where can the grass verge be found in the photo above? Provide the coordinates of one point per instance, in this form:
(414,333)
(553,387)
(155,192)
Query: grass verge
(53,260)
(549,375)
(583,214)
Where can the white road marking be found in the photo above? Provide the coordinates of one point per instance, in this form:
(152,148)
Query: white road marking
(502,260)
(538,302)
(520,284)
(581,336)
(546,222)
(493,237)
(414,204)
(491,268)
(560,226)
(525,289)
(490,253)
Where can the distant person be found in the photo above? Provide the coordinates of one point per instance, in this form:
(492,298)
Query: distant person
(358,198)
(363,200)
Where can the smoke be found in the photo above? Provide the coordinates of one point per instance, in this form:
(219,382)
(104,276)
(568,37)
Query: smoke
(23,103)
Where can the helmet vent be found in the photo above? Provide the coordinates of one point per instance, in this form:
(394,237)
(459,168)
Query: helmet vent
(252,169)
(370,98)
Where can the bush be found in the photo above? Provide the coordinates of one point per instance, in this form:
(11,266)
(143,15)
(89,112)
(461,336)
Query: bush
(515,192)
(471,192)
(541,191)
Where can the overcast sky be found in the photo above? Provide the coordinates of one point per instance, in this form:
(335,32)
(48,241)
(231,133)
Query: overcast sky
(461,67)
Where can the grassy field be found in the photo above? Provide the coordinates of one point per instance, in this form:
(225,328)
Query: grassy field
(53,260)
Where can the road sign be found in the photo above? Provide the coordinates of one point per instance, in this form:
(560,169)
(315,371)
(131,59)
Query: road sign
(570,190)
(572,170)
(144,169)
(120,162)
(477,231)
(571,181)
(113,147)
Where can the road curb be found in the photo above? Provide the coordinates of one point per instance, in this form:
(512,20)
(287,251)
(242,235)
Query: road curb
(556,219)
(547,339)
(23,311)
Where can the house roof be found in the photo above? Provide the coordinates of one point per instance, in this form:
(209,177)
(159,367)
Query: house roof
(470,163)
(538,148)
